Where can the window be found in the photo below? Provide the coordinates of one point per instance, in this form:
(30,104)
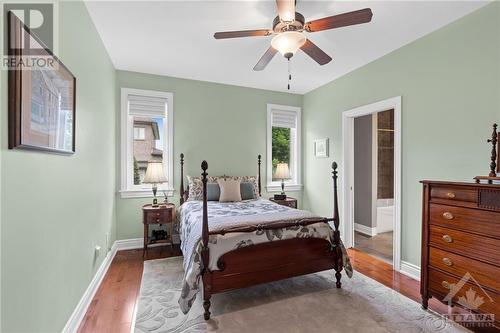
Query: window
(147,134)
(283,145)
(139,133)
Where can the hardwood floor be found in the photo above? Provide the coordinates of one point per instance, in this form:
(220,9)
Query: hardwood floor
(379,246)
(113,306)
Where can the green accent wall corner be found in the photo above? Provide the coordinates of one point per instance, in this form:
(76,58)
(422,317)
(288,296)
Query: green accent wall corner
(56,209)
(224,124)
(449,83)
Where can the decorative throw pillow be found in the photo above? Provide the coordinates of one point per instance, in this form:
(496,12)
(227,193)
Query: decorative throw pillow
(254,180)
(195,188)
(213,192)
(229,190)
(247,191)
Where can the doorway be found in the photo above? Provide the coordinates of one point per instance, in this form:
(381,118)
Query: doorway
(372,179)
(374,184)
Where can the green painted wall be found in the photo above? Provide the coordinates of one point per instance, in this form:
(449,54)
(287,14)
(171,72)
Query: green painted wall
(449,83)
(57,208)
(53,215)
(226,125)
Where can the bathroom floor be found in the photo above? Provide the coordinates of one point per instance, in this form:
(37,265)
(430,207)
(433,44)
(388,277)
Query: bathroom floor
(379,246)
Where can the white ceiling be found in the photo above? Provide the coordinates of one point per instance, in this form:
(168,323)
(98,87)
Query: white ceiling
(175,38)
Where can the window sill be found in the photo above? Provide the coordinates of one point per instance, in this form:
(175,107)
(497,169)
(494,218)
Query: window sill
(147,193)
(288,187)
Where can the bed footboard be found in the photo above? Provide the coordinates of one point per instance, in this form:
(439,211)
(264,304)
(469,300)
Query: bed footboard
(272,261)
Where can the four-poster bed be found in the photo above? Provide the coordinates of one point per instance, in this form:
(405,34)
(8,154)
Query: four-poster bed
(255,263)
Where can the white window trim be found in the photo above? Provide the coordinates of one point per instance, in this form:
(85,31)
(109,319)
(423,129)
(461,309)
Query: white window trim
(294,184)
(127,134)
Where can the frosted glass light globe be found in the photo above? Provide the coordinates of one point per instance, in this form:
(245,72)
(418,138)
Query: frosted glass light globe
(288,42)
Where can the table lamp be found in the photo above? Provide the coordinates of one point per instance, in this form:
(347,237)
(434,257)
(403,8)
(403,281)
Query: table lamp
(282,172)
(155,175)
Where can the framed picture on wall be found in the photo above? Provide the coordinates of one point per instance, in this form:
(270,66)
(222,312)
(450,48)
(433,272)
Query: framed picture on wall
(41,94)
(321,148)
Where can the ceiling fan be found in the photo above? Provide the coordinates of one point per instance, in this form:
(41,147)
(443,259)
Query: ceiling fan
(289,28)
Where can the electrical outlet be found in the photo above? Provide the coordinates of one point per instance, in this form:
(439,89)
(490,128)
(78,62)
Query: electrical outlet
(97,251)
(107,242)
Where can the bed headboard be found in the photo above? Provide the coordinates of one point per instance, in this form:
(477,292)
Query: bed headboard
(184,193)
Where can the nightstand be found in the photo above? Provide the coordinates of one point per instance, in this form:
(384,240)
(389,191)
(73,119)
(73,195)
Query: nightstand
(164,214)
(289,202)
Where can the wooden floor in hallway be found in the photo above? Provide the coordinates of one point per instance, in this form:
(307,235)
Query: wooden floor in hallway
(113,306)
(379,246)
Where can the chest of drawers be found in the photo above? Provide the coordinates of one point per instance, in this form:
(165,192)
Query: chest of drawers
(461,245)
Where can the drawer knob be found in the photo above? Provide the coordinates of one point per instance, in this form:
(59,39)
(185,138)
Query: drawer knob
(448,216)
(447,261)
(447,238)
(446,285)
(157,214)
(451,195)
(157,220)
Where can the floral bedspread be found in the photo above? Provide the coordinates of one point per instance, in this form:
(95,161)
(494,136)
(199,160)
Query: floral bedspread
(226,215)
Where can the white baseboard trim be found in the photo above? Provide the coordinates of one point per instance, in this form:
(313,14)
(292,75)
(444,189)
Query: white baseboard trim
(365,230)
(78,314)
(135,243)
(130,244)
(410,270)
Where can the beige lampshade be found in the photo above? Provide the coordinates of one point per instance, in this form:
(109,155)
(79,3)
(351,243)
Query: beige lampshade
(155,173)
(282,171)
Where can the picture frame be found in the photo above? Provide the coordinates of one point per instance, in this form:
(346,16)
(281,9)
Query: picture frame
(321,148)
(42,100)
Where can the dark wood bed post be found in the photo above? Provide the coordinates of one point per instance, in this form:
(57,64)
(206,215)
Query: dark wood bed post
(336,221)
(494,140)
(259,162)
(181,200)
(205,254)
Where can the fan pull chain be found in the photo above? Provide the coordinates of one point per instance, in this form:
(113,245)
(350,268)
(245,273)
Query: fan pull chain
(289,74)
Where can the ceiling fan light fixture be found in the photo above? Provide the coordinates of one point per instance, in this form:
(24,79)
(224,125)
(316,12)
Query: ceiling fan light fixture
(288,42)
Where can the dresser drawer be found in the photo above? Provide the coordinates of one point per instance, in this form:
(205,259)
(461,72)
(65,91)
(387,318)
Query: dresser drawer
(485,274)
(474,220)
(163,216)
(454,194)
(470,245)
(442,283)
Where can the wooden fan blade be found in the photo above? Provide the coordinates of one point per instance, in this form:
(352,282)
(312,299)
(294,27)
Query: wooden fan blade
(242,33)
(286,10)
(341,20)
(316,53)
(265,59)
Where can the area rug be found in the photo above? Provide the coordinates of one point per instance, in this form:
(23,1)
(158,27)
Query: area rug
(309,303)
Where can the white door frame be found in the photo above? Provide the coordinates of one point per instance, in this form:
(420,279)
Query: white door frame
(348,170)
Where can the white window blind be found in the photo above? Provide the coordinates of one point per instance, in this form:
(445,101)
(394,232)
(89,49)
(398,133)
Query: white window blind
(146,106)
(285,119)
